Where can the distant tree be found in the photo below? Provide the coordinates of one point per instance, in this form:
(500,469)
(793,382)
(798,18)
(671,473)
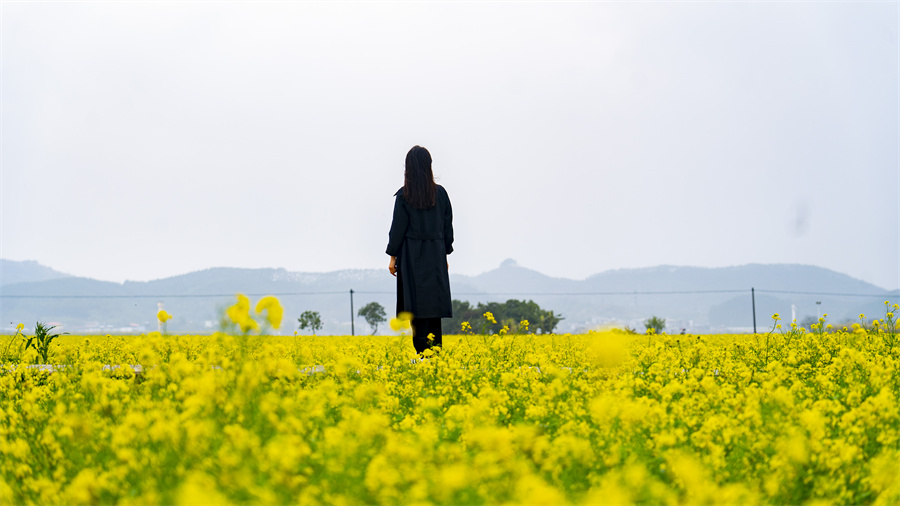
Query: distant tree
(656,323)
(547,321)
(374,314)
(808,321)
(310,320)
(538,319)
(463,311)
(508,313)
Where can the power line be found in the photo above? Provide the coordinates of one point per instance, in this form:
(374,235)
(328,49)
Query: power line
(834,294)
(483,294)
(164,296)
(532,294)
(367,292)
(663,292)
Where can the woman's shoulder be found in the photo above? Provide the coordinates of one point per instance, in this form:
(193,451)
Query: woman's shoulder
(399,193)
(442,195)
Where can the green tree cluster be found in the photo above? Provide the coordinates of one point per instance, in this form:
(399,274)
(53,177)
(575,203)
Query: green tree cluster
(656,323)
(508,313)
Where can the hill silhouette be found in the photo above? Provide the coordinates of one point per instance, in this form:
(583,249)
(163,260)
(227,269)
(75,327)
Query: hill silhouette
(698,299)
(12,272)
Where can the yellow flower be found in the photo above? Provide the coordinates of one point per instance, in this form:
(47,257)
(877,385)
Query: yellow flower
(240,314)
(402,321)
(241,310)
(489,316)
(20,326)
(466,326)
(248,324)
(776,317)
(199,488)
(163,316)
(274,311)
(524,324)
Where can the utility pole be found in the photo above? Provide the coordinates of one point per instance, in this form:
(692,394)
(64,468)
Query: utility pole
(753,298)
(352,326)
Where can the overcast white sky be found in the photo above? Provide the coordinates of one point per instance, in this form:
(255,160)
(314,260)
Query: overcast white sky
(143,140)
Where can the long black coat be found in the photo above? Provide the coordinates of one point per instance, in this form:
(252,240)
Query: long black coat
(421,239)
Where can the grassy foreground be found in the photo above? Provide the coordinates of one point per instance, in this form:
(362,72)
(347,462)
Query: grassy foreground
(603,418)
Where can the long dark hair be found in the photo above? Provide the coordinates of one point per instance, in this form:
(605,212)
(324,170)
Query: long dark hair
(418,186)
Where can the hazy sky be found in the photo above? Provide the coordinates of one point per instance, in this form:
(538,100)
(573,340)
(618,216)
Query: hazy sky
(143,140)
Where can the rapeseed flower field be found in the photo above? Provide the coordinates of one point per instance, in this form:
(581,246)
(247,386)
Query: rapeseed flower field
(786,417)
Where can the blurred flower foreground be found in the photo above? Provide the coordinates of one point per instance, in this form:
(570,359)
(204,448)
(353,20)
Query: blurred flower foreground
(604,418)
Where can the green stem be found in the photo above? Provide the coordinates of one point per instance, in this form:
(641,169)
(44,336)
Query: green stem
(10,343)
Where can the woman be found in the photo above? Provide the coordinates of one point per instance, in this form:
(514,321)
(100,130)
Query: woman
(420,239)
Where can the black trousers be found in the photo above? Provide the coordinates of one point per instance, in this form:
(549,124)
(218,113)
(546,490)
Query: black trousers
(421,328)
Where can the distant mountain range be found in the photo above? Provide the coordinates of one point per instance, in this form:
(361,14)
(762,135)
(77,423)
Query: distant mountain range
(694,298)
